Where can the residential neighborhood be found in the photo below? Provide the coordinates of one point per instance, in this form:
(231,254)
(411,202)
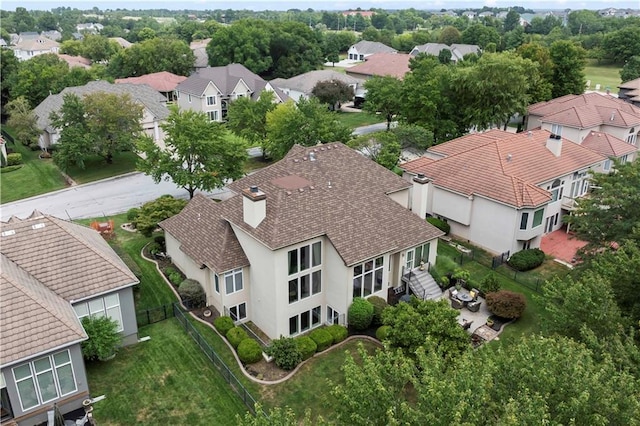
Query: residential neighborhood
(360,216)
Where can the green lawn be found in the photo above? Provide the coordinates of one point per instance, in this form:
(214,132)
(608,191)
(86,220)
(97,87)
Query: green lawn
(358,119)
(604,75)
(96,167)
(166,380)
(309,388)
(35,177)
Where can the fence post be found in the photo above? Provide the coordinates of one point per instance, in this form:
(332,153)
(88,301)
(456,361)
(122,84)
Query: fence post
(148,318)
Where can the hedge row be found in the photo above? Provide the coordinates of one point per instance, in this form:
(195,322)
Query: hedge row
(249,351)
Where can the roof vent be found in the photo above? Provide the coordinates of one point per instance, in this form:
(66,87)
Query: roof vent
(8,233)
(37,226)
(329,185)
(300,189)
(296,160)
(613,116)
(312,188)
(530,134)
(509,157)
(312,156)
(304,158)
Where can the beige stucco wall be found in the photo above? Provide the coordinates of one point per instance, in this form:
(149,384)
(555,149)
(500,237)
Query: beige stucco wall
(452,206)
(493,225)
(401,197)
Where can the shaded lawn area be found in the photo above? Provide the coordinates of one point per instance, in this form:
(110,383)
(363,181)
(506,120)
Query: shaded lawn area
(604,75)
(166,380)
(35,177)
(309,388)
(358,119)
(96,167)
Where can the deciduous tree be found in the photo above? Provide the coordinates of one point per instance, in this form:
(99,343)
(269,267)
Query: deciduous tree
(23,121)
(154,55)
(198,156)
(381,147)
(568,68)
(38,77)
(332,92)
(248,119)
(631,70)
(382,96)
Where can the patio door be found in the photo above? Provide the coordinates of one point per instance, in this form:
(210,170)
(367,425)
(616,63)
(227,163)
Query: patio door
(548,225)
(416,255)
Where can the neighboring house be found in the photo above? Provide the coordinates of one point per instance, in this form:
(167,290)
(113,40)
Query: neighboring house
(574,117)
(29,45)
(164,82)
(382,64)
(89,28)
(363,13)
(154,113)
(301,238)
(123,43)
(503,191)
(469,14)
(75,61)
(302,85)
(485,15)
(199,49)
(211,89)
(53,35)
(630,92)
(458,51)
(365,48)
(53,273)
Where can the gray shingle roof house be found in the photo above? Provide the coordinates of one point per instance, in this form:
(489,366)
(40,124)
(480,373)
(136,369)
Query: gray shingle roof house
(154,104)
(210,89)
(53,273)
(458,51)
(301,86)
(364,48)
(301,238)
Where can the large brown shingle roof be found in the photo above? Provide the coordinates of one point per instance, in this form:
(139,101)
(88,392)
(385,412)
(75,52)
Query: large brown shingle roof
(383,64)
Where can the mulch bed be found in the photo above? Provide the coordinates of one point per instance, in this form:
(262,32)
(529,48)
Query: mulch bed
(499,322)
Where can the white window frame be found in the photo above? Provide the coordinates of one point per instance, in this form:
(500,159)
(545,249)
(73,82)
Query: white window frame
(213,115)
(556,129)
(99,306)
(33,376)
(237,309)
(216,281)
(311,271)
(364,273)
(607,165)
(238,285)
(211,100)
(333,316)
(310,315)
(411,260)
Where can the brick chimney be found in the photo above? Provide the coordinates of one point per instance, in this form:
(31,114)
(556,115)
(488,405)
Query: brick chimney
(554,144)
(254,206)
(420,193)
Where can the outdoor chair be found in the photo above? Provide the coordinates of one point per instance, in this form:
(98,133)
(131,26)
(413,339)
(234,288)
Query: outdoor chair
(474,306)
(474,294)
(466,324)
(453,293)
(456,304)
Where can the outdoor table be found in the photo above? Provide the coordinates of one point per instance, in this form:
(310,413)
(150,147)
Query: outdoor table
(464,297)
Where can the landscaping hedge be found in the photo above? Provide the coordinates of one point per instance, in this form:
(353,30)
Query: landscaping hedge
(236,335)
(306,346)
(322,337)
(249,351)
(440,224)
(379,304)
(360,314)
(285,353)
(192,293)
(14,159)
(8,169)
(526,259)
(338,332)
(223,324)
(506,304)
(382,332)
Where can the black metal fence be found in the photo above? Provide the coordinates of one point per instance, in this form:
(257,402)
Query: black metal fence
(230,378)
(153,315)
(7,137)
(499,260)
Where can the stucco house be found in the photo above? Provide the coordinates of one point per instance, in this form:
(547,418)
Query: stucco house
(301,86)
(154,113)
(211,89)
(381,64)
(630,92)
(365,48)
(163,81)
(29,45)
(458,51)
(504,191)
(575,117)
(301,238)
(53,273)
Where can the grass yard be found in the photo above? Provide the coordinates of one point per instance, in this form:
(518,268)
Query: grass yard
(309,388)
(96,167)
(604,75)
(166,380)
(358,119)
(35,177)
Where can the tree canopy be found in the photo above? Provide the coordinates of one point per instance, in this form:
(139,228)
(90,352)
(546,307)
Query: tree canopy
(332,92)
(382,96)
(248,118)
(153,55)
(568,71)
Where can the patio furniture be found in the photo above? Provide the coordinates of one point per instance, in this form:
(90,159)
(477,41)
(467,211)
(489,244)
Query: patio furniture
(474,294)
(466,324)
(474,306)
(456,304)
(453,293)
(464,297)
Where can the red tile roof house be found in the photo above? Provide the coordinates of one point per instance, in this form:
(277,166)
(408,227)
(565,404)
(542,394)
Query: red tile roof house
(163,81)
(301,238)
(576,117)
(53,273)
(210,89)
(382,64)
(499,190)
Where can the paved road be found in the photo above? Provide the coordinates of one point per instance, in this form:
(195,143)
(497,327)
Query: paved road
(372,128)
(96,199)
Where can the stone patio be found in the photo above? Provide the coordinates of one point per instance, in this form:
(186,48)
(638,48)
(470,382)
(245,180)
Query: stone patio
(478,319)
(561,245)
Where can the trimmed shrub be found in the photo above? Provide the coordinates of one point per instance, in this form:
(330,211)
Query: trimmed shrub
(526,259)
(440,224)
(360,314)
(306,346)
(14,159)
(192,293)
(490,284)
(173,275)
(285,353)
(103,335)
(322,337)
(338,332)
(382,332)
(249,351)
(506,304)
(236,335)
(154,248)
(378,306)
(161,241)
(132,214)
(223,325)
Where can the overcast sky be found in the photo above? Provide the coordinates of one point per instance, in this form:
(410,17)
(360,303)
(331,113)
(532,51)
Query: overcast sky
(314,4)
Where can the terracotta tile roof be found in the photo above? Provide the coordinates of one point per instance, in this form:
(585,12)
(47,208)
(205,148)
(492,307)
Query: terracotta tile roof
(382,64)
(75,61)
(163,81)
(503,166)
(608,145)
(631,84)
(416,165)
(33,319)
(341,194)
(72,260)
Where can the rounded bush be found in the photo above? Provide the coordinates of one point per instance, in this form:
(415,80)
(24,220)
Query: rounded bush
(338,332)
(490,284)
(223,325)
(440,224)
(14,159)
(382,332)
(285,353)
(526,259)
(506,304)
(322,337)
(192,293)
(249,351)
(360,314)
(379,304)
(132,214)
(236,335)
(306,346)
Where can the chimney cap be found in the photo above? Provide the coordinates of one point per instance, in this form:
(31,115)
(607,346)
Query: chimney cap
(254,189)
